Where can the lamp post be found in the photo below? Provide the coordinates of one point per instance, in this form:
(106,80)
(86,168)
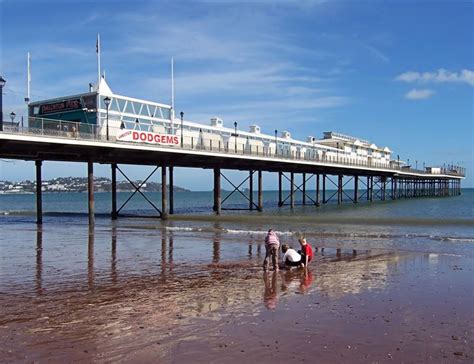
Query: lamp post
(235,135)
(107,103)
(12,116)
(2,83)
(181,114)
(276,149)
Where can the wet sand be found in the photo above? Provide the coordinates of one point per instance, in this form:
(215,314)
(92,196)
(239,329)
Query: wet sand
(133,296)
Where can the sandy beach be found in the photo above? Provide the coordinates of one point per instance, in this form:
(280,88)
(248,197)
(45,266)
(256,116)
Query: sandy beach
(350,306)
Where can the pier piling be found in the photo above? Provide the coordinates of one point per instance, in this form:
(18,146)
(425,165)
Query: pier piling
(260,191)
(39,196)
(317,190)
(292,190)
(171,192)
(304,189)
(339,189)
(324,188)
(114,191)
(90,191)
(217,191)
(356,189)
(164,197)
(280,192)
(251,190)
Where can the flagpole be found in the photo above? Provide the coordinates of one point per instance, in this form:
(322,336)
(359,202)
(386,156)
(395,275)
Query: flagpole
(28,78)
(98,61)
(172,95)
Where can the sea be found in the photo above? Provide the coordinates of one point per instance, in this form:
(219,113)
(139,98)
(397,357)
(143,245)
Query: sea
(425,224)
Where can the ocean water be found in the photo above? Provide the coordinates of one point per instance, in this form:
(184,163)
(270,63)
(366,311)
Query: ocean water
(428,224)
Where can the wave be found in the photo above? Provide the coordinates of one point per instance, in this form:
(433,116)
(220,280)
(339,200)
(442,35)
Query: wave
(387,236)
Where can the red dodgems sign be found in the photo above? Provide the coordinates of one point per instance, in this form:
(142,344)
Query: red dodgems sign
(147,137)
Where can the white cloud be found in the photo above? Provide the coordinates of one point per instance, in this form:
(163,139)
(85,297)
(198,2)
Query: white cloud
(439,76)
(416,94)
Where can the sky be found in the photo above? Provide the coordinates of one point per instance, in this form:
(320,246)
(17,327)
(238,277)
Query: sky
(399,74)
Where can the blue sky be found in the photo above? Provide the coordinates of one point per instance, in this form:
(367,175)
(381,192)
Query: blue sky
(400,74)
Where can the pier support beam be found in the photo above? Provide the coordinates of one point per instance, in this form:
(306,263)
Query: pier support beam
(251,204)
(304,189)
(356,189)
(171,193)
(317,191)
(39,196)
(371,188)
(280,192)
(217,191)
(394,188)
(292,190)
(114,191)
(164,197)
(260,191)
(339,189)
(324,188)
(90,191)
(384,188)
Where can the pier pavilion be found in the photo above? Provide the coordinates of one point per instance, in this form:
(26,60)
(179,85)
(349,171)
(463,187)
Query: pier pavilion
(101,127)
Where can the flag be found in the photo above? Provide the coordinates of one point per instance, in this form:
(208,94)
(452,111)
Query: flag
(97,44)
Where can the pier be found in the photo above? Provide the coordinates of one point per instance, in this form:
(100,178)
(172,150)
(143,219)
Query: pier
(100,127)
(333,179)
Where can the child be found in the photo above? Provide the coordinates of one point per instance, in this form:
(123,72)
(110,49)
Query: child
(272,246)
(291,258)
(306,252)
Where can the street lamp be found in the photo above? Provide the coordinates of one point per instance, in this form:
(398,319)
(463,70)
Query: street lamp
(107,103)
(182,136)
(276,149)
(235,134)
(12,116)
(2,83)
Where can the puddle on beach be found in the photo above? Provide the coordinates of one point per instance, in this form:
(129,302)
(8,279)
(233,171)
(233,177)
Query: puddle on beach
(114,293)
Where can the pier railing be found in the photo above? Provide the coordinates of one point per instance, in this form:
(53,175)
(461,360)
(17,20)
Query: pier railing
(81,131)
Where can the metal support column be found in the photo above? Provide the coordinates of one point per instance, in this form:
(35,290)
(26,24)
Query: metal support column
(317,190)
(324,188)
(339,189)
(368,188)
(251,190)
(164,197)
(114,191)
(39,196)
(280,197)
(371,188)
(217,191)
(260,191)
(171,193)
(384,188)
(304,189)
(394,188)
(292,190)
(90,190)
(356,189)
